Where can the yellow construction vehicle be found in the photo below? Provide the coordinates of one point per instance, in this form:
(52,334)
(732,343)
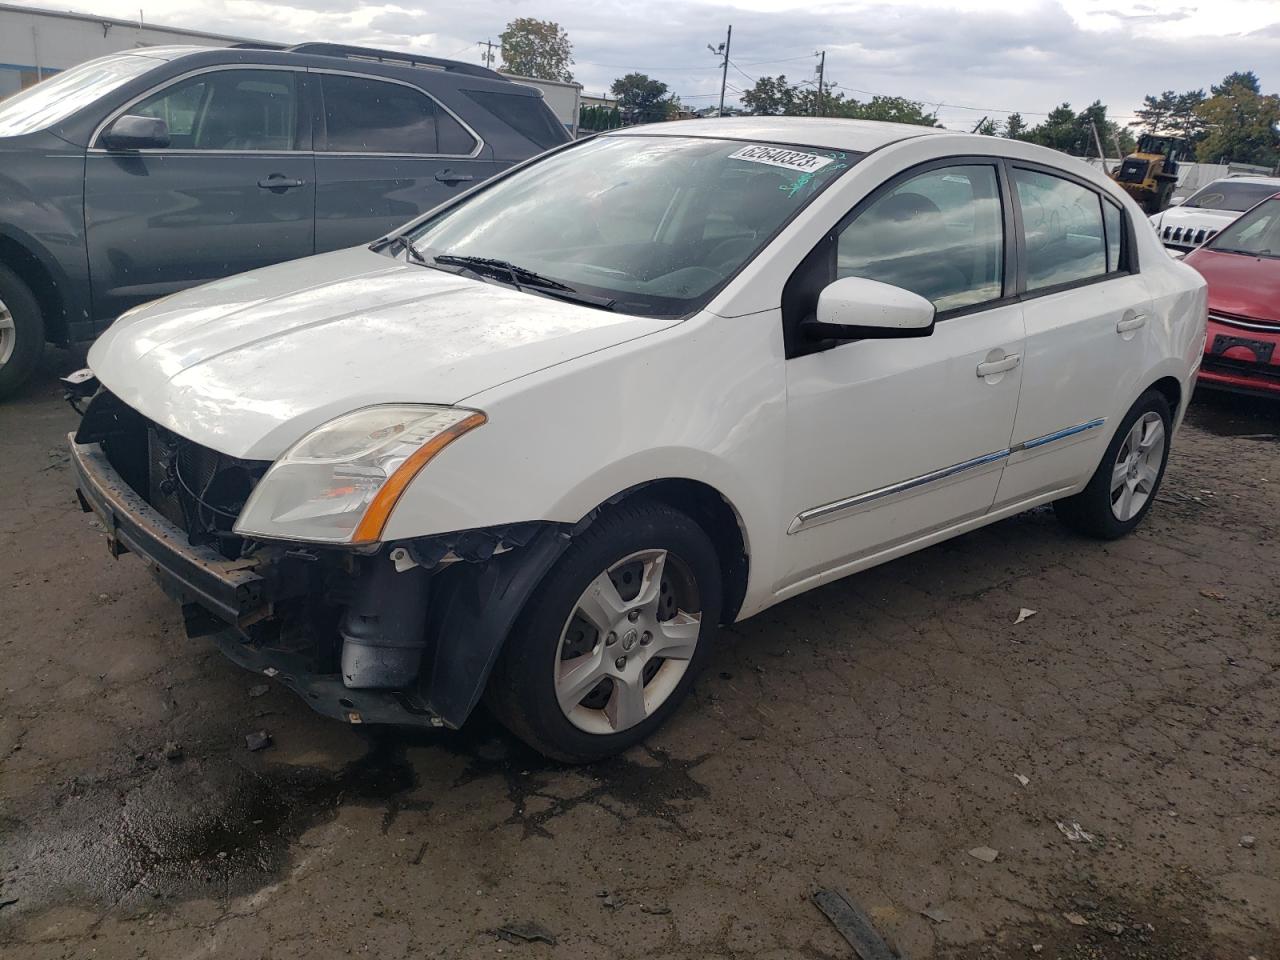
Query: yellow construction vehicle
(1150,173)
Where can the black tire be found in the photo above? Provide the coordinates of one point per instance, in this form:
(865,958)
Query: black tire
(28,332)
(521,692)
(1090,511)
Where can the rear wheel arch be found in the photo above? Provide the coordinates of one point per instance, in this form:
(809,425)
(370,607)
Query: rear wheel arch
(39,279)
(1172,391)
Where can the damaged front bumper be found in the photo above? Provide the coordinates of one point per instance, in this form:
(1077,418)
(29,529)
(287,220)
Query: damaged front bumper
(405,635)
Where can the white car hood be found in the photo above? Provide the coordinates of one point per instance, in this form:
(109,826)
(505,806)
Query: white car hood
(249,364)
(1194,217)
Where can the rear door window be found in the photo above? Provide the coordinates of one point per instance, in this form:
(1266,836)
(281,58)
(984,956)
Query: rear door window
(240,110)
(1062,223)
(939,234)
(363,115)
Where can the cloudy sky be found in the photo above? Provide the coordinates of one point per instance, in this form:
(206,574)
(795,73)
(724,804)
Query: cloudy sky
(967,57)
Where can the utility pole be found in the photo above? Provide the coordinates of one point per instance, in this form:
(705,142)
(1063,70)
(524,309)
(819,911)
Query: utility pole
(822,69)
(724,67)
(978,126)
(1102,154)
(488,53)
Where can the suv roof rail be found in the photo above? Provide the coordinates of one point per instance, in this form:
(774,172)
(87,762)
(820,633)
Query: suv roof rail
(347,52)
(256,45)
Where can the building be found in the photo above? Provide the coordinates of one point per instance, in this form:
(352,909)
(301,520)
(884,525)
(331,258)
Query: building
(35,43)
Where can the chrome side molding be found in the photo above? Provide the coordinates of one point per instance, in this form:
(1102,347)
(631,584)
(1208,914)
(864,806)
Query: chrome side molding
(839,509)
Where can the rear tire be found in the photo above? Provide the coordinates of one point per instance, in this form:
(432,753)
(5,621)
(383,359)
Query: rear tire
(582,675)
(21,333)
(1125,485)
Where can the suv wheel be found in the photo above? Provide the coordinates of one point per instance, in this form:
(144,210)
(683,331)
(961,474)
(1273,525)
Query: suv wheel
(21,332)
(613,639)
(1125,484)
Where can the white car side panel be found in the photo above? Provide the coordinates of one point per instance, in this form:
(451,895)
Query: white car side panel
(865,416)
(704,401)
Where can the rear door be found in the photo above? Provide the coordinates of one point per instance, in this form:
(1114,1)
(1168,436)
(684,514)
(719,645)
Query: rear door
(1087,315)
(234,190)
(386,151)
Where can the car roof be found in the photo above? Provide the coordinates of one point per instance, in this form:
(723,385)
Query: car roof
(860,136)
(1243,179)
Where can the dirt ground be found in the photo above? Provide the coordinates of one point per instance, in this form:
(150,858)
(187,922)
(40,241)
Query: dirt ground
(863,737)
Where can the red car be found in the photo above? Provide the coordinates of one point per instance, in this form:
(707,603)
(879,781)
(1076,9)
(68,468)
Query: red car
(1242,265)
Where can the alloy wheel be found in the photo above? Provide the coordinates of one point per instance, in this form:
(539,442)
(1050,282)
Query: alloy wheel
(1137,467)
(8,334)
(627,642)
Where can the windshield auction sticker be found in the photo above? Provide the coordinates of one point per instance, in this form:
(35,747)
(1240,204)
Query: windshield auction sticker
(782,157)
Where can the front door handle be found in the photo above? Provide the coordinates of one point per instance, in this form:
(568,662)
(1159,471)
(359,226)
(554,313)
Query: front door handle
(279,183)
(448,176)
(990,368)
(1131,323)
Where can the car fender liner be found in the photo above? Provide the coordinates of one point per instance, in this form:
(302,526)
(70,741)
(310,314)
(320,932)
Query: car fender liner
(473,608)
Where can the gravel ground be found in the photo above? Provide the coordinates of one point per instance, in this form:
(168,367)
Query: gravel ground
(865,737)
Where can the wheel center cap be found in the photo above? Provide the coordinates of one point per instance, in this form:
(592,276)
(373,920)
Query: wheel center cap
(629,639)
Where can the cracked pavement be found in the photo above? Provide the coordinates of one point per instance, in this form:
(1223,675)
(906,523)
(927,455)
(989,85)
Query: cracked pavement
(865,736)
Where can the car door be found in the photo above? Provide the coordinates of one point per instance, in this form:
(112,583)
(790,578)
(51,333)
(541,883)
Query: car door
(1087,316)
(386,152)
(232,191)
(890,440)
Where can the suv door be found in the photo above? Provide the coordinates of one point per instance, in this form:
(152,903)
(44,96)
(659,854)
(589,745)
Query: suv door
(385,153)
(1086,311)
(891,440)
(232,191)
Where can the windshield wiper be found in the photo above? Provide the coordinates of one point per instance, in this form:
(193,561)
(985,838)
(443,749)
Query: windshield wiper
(523,277)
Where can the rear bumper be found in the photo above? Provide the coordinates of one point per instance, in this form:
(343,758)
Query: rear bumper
(231,589)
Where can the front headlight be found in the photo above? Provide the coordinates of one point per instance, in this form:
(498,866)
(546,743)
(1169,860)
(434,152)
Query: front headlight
(339,483)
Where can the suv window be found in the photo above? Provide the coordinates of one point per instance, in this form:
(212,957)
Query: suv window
(363,115)
(1062,222)
(246,110)
(528,116)
(939,234)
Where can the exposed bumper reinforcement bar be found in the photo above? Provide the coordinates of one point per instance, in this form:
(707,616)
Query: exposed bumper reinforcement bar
(229,588)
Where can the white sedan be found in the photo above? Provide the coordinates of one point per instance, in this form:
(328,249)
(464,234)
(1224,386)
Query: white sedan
(538,444)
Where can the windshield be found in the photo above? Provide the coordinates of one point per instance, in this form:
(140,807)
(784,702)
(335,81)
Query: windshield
(55,99)
(655,224)
(1231,195)
(1257,233)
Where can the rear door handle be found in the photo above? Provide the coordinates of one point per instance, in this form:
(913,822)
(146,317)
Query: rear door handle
(279,182)
(448,176)
(990,368)
(1131,323)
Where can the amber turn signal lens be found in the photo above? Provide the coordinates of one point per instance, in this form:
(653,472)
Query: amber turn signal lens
(369,530)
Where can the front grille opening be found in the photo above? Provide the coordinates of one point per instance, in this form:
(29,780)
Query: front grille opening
(199,490)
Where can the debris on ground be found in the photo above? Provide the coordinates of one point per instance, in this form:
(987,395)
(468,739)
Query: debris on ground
(1024,614)
(1021,779)
(528,931)
(1037,947)
(1074,832)
(658,911)
(936,914)
(8,903)
(1075,919)
(1113,928)
(258,689)
(1248,841)
(258,740)
(985,854)
(1214,595)
(172,752)
(854,925)
(417,857)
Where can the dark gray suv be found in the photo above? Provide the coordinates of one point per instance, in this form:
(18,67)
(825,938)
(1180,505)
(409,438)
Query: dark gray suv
(138,174)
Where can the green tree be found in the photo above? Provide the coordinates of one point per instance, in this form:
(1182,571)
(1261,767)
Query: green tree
(641,98)
(1015,128)
(1240,122)
(892,109)
(1155,111)
(1059,130)
(1184,118)
(536,48)
(771,97)
(988,128)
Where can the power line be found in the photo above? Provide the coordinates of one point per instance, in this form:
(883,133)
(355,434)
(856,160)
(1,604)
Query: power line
(954,106)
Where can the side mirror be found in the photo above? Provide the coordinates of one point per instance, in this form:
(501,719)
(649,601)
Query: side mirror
(136,133)
(855,308)
(1177,201)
